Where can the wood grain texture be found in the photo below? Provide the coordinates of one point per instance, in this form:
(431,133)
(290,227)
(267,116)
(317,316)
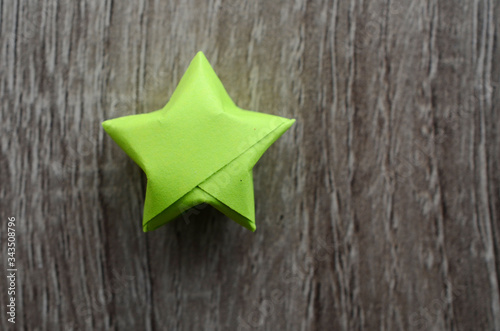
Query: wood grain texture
(378,210)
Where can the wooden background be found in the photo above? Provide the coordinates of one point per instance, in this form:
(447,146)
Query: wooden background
(378,210)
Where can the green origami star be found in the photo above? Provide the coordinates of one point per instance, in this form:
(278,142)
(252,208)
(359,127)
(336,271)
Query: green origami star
(200,147)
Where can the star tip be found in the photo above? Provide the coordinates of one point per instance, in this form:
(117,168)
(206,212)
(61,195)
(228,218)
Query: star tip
(106,124)
(200,55)
(288,123)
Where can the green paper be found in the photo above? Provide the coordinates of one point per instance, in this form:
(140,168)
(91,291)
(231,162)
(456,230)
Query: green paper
(199,148)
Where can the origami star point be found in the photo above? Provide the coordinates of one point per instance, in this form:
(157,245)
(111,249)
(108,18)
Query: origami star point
(199,148)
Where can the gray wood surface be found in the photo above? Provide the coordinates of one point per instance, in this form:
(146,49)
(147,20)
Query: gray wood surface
(378,210)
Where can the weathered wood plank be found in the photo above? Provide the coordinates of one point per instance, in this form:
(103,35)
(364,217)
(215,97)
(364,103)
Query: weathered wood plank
(379,209)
